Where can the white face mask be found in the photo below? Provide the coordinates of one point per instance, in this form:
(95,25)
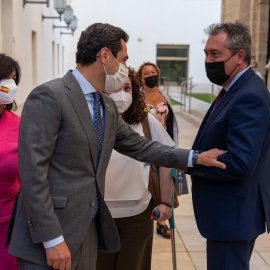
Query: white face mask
(8,89)
(116,81)
(122,100)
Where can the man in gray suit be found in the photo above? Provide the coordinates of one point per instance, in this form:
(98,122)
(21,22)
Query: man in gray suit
(60,218)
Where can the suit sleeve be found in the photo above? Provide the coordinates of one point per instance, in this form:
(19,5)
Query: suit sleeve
(39,127)
(247,124)
(130,143)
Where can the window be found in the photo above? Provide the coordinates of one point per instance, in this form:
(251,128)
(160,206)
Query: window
(34,58)
(63,57)
(6,27)
(172,60)
(58,61)
(53,60)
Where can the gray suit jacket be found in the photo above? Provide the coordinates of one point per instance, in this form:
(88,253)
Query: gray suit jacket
(58,170)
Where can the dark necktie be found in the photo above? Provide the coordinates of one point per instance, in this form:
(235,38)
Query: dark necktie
(218,99)
(99,134)
(98,123)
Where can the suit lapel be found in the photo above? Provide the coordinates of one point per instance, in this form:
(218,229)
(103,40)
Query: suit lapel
(214,114)
(208,119)
(79,103)
(195,144)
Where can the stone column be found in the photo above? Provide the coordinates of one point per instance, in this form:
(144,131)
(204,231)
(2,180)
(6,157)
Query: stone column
(253,27)
(267,67)
(244,11)
(262,33)
(230,10)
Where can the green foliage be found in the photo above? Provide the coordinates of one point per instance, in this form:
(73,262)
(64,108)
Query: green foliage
(203,96)
(174,102)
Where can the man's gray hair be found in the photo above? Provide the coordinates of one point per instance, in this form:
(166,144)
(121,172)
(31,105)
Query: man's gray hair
(238,36)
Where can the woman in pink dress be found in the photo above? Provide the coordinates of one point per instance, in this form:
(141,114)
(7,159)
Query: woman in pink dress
(159,105)
(9,131)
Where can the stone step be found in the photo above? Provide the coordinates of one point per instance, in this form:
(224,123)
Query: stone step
(197,114)
(191,118)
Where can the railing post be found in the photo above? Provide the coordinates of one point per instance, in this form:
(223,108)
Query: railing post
(181,100)
(168,86)
(185,95)
(190,93)
(212,93)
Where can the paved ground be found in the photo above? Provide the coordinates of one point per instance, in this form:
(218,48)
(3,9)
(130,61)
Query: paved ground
(190,246)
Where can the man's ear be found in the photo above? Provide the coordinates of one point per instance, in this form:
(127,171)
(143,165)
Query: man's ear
(104,55)
(241,56)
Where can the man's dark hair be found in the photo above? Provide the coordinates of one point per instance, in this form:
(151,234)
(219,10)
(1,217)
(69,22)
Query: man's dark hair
(97,36)
(238,36)
(7,66)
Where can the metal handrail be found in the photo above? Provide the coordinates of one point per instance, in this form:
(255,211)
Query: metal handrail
(165,81)
(186,89)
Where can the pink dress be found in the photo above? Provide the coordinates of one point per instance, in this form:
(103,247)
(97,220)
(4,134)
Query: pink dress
(9,181)
(160,112)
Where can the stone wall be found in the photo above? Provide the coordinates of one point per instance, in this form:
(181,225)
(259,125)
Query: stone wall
(256,14)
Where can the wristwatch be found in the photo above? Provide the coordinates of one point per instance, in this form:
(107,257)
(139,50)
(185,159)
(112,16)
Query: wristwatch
(195,156)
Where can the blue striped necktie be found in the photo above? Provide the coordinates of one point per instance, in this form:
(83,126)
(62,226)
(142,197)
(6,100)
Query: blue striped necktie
(99,134)
(98,123)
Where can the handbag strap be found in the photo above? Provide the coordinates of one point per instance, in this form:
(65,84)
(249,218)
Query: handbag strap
(146,128)
(147,134)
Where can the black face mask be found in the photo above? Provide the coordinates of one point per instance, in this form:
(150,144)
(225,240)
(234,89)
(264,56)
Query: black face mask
(215,72)
(151,81)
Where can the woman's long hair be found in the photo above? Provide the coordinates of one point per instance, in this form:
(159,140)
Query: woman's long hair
(137,110)
(139,72)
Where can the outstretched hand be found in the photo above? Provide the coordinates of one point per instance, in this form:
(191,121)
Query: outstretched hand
(209,158)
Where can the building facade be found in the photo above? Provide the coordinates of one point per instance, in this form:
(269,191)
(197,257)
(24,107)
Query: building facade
(33,42)
(169,33)
(255,13)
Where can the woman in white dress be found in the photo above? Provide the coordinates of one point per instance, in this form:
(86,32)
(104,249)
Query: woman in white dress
(128,198)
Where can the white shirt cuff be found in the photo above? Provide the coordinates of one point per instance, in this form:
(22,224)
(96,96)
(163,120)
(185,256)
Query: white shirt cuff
(53,242)
(190,163)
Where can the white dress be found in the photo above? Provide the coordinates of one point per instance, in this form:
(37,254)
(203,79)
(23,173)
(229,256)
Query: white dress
(126,182)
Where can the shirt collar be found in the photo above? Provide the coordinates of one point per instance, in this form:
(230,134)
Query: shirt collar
(237,76)
(87,88)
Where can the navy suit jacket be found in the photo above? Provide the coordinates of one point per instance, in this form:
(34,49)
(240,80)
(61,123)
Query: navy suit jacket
(234,204)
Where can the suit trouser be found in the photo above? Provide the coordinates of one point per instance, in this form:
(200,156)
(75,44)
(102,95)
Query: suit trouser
(84,258)
(136,236)
(229,255)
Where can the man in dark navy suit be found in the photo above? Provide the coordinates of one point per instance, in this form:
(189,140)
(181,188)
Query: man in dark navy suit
(232,206)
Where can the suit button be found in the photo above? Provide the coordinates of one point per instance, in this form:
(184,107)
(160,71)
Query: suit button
(92,204)
(30,224)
